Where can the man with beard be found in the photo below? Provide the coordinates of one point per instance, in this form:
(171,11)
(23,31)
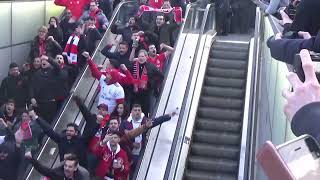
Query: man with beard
(159,59)
(14,86)
(69,171)
(122,55)
(126,31)
(71,141)
(43,88)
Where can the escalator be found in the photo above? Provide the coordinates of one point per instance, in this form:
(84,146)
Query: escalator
(216,141)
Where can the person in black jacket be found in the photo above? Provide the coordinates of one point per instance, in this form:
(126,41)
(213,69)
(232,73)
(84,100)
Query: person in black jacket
(146,75)
(9,155)
(44,45)
(43,88)
(285,49)
(14,86)
(306,18)
(69,171)
(92,35)
(303,103)
(122,55)
(127,30)
(70,142)
(54,30)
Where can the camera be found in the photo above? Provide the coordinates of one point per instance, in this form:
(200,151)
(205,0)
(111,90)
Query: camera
(297,64)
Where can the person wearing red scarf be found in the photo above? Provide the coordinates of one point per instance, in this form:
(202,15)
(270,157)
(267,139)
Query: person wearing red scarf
(146,75)
(111,92)
(159,59)
(100,18)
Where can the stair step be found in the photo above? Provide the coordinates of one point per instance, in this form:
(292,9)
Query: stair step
(222,54)
(218,151)
(213,164)
(227,73)
(223,92)
(218,138)
(227,64)
(224,82)
(218,125)
(231,44)
(207,101)
(208,175)
(217,113)
(228,47)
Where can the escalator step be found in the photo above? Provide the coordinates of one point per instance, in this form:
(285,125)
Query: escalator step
(207,101)
(218,125)
(237,48)
(217,113)
(218,151)
(206,175)
(222,54)
(227,73)
(222,138)
(231,44)
(224,82)
(227,64)
(212,164)
(223,92)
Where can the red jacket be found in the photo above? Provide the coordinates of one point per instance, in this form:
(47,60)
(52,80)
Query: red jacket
(117,76)
(75,6)
(107,157)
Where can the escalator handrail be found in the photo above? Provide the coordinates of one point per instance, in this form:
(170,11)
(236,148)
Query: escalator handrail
(182,138)
(162,109)
(250,104)
(80,78)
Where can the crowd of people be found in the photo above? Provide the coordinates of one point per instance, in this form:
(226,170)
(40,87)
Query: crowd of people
(113,138)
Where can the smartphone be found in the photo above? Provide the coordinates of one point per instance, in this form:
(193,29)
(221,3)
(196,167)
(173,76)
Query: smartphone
(272,164)
(297,65)
(302,157)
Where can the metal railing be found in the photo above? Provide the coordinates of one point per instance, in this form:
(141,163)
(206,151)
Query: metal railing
(179,150)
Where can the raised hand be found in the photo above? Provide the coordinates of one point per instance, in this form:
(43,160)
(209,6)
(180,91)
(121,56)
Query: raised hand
(303,92)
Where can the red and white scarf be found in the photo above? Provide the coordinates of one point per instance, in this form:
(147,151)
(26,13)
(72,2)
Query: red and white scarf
(141,81)
(72,49)
(177,11)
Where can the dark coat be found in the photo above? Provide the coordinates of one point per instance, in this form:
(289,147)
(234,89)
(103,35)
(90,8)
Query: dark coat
(57,34)
(123,59)
(76,145)
(52,49)
(306,18)
(285,49)
(14,88)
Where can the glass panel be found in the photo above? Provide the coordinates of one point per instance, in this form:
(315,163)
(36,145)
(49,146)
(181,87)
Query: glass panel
(5,21)
(27,18)
(5,61)
(20,53)
(52,10)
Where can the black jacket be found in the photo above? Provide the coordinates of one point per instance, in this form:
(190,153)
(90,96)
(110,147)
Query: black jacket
(57,34)
(76,145)
(58,173)
(44,83)
(306,18)
(52,49)
(126,32)
(123,59)
(154,75)
(9,166)
(285,49)
(14,88)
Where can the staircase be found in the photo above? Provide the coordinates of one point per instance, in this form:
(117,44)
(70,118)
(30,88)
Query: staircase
(215,146)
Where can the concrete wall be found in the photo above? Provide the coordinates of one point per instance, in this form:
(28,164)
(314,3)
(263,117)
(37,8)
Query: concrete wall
(19,21)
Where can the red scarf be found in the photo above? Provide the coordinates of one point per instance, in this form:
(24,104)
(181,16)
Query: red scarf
(42,47)
(142,80)
(72,49)
(94,14)
(177,11)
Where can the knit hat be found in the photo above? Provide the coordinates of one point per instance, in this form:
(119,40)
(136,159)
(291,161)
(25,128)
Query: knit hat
(103,106)
(13,65)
